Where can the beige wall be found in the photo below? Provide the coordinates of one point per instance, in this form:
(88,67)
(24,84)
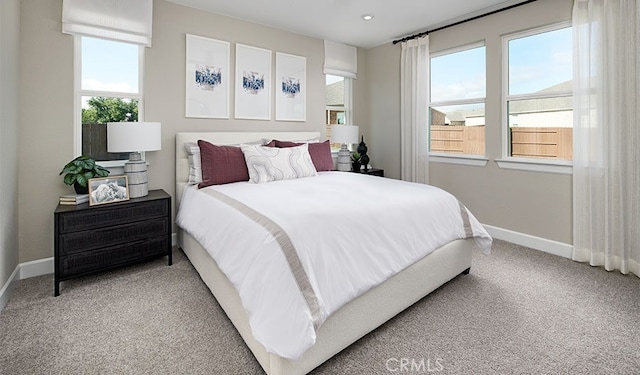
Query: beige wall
(46,108)
(9,32)
(360,99)
(46,122)
(539,204)
(383,97)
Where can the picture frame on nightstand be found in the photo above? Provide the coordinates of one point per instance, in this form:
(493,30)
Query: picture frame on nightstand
(108,190)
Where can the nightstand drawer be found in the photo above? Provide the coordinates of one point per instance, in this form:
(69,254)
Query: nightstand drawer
(100,238)
(88,219)
(105,258)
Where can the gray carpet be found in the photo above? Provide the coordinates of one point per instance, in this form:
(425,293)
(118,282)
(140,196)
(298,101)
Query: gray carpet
(519,311)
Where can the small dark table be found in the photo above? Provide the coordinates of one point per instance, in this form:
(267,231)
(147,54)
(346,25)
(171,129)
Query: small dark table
(371,171)
(97,238)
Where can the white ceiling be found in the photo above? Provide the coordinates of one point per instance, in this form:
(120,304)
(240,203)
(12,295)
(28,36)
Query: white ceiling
(340,20)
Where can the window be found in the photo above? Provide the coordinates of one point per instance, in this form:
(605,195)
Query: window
(538,100)
(457,95)
(338,103)
(108,89)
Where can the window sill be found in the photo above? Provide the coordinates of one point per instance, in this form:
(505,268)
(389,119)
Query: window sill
(472,160)
(537,165)
(115,167)
(111,163)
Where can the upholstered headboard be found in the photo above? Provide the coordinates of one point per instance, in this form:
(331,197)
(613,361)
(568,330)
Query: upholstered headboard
(223,138)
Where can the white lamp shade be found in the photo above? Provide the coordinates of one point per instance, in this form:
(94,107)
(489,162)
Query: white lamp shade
(344,134)
(134,136)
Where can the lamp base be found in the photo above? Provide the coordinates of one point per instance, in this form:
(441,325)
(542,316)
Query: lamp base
(344,159)
(136,171)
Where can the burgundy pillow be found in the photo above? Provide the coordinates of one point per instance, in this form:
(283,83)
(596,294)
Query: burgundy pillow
(221,164)
(320,153)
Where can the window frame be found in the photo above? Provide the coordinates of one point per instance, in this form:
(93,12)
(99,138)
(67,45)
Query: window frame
(348,105)
(455,158)
(348,98)
(518,163)
(79,93)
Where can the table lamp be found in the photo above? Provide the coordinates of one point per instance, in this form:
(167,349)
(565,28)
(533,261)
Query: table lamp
(345,134)
(134,137)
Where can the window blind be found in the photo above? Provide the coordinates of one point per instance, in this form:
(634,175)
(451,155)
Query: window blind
(340,59)
(121,20)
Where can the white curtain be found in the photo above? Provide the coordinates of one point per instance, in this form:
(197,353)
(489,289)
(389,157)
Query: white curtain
(414,102)
(606,163)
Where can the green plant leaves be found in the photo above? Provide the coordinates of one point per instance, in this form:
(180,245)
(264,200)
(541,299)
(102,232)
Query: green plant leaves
(81,169)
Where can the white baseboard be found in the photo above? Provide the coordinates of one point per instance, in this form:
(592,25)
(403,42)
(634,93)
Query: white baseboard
(9,287)
(36,268)
(548,246)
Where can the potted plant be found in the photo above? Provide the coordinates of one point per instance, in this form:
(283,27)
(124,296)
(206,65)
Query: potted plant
(355,161)
(78,171)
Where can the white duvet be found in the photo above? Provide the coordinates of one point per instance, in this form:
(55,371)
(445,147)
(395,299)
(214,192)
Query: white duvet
(350,232)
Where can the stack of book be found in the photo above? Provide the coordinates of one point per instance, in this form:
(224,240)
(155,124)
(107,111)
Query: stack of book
(74,199)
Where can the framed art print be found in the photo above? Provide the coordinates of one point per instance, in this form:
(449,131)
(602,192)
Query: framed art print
(291,87)
(253,83)
(207,78)
(108,190)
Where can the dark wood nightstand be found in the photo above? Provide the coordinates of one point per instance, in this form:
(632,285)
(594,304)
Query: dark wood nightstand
(371,171)
(91,239)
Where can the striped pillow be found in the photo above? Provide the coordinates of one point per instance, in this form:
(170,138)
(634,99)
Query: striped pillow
(195,165)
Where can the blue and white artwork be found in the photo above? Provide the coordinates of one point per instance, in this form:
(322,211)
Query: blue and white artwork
(207,78)
(291,101)
(253,83)
(290,86)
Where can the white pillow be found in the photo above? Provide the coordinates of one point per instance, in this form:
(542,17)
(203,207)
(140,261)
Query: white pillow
(195,163)
(271,164)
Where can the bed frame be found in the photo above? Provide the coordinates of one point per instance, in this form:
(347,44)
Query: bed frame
(349,323)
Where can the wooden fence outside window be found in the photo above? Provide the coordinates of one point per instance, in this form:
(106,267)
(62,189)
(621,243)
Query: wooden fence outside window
(526,142)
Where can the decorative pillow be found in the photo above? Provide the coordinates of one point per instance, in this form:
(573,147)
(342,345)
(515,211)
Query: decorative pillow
(271,164)
(195,166)
(269,141)
(221,164)
(320,153)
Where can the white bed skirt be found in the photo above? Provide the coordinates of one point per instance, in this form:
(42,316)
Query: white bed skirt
(353,320)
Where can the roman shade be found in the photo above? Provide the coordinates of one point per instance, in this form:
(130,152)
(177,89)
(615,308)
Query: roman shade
(340,59)
(127,21)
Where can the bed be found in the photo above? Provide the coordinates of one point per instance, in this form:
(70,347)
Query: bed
(351,320)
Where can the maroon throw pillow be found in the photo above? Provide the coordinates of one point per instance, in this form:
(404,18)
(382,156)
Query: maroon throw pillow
(320,153)
(221,164)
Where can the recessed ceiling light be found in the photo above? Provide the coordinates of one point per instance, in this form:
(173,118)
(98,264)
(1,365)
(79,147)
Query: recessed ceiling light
(367,17)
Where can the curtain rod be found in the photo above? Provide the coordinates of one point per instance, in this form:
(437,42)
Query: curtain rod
(415,36)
